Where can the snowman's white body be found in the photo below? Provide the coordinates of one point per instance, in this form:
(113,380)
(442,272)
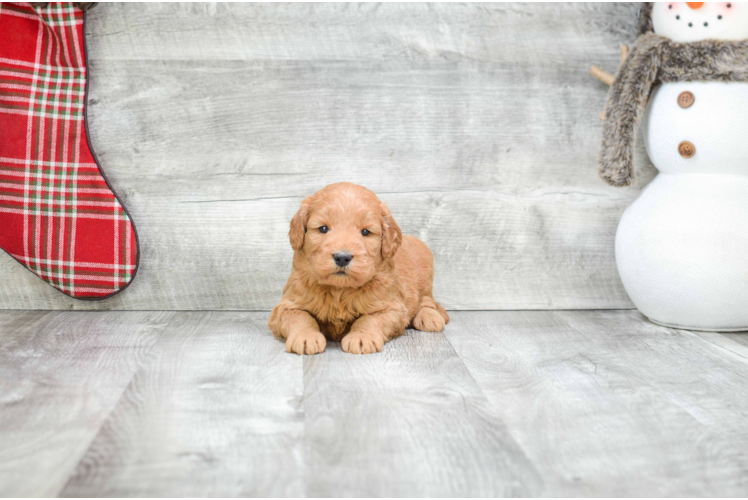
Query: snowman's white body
(682,246)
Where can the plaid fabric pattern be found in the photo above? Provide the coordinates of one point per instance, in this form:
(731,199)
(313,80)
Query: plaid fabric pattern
(58,215)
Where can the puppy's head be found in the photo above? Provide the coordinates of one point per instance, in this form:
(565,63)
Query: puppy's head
(343,233)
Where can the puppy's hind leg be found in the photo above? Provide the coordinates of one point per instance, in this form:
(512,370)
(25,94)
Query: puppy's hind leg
(431,316)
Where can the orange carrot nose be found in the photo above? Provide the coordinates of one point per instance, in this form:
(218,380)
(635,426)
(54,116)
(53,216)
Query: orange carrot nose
(695,5)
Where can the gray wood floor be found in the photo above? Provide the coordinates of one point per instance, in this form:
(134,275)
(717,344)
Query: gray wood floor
(503,403)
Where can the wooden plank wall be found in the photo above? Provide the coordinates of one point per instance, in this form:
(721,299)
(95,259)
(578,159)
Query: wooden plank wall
(477,123)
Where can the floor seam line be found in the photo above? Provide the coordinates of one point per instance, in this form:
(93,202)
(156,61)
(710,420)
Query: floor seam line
(115,405)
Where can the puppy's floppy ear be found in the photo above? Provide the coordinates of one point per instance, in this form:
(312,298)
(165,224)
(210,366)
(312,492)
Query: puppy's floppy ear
(391,234)
(299,222)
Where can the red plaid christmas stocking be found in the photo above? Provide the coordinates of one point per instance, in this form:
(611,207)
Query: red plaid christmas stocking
(58,214)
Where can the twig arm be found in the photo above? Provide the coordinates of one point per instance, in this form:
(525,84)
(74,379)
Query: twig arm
(602,75)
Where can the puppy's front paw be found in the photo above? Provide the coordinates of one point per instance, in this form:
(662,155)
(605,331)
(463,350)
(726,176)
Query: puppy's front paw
(307,342)
(360,342)
(428,320)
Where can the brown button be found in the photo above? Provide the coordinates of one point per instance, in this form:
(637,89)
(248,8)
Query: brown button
(686,149)
(686,99)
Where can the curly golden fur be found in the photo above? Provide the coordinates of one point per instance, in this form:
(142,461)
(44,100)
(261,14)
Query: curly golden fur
(386,287)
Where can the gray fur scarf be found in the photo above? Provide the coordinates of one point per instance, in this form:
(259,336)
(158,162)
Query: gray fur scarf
(654,59)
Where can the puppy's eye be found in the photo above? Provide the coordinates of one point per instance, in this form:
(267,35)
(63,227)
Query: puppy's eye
(365,232)
(323,229)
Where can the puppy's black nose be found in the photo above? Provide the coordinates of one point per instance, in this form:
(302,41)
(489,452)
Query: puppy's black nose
(342,259)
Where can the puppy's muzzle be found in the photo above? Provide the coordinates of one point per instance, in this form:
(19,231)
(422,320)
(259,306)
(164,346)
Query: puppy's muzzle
(342,259)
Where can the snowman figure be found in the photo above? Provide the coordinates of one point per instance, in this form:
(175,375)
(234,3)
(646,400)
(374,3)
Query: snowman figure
(682,246)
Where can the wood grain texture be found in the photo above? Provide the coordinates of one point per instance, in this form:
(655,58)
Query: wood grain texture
(409,421)
(538,403)
(477,123)
(608,404)
(215,412)
(61,373)
(738,338)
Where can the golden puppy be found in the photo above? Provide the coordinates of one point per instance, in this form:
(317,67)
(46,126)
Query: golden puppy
(355,277)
